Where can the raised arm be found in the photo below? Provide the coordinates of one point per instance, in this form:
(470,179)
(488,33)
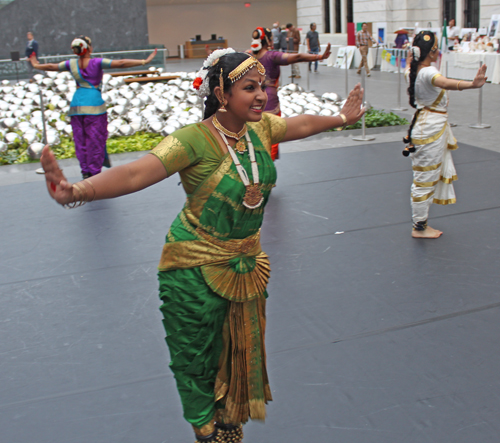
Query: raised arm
(460,85)
(130,63)
(306,125)
(300,57)
(43,67)
(117,181)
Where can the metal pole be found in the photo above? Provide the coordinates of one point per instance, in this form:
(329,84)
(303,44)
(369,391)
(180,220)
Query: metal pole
(398,61)
(346,71)
(363,137)
(165,55)
(42,107)
(480,124)
(307,78)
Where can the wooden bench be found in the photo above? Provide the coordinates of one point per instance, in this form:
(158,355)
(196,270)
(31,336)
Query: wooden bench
(138,73)
(156,78)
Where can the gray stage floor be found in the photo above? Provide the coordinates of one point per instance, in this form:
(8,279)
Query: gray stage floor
(373,337)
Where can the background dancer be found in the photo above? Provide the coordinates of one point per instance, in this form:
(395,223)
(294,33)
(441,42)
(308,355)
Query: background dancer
(89,119)
(430,138)
(272,60)
(213,273)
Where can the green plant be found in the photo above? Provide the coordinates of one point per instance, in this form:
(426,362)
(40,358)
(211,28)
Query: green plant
(375,118)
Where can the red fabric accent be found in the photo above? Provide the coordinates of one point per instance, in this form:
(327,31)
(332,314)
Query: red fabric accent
(275,149)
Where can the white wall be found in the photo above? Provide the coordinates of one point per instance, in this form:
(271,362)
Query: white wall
(174,24)
(309,11)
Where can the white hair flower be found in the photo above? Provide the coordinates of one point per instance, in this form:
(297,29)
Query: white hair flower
(415,52)
(200,83)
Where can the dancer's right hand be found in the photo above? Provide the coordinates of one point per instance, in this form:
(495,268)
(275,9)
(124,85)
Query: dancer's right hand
(151,56)
(57,185)
(480,79)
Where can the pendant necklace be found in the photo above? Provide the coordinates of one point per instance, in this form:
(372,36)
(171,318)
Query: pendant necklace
(240,146)
(253,195)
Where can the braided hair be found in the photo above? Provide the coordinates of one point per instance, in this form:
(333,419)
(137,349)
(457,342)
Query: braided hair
(227,63)
(422,45)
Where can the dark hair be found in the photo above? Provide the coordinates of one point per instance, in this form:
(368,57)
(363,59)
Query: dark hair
(289,25)
(312,24)
(364,23)
(76,49)
(227,63)
(425,45)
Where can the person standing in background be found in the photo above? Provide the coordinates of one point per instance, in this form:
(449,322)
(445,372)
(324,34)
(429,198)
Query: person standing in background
(452,33)
(293,39)
(362,38)
(277,36)
(312,39)
(31,47)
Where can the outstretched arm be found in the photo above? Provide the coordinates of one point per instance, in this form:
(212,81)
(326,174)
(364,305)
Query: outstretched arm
(130,63)
(303,126)
(460,85)
(296,58)
(117,181)
(43,67)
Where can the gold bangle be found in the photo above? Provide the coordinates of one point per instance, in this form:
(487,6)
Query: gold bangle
(458,85)
(87,180)
(143,62)
(344,120)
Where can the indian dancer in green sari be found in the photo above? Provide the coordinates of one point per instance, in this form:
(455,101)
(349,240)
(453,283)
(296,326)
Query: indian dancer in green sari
(213,273)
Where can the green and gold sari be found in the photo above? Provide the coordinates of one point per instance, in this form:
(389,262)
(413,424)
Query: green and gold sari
(213,276)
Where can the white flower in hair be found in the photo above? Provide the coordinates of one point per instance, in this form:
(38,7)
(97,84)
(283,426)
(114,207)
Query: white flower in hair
(415,52)
(79,42)
(200,83)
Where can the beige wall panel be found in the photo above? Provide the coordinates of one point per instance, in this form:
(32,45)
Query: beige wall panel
(174,24)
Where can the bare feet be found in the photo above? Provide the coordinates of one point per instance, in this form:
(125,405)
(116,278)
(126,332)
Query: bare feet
(426,233)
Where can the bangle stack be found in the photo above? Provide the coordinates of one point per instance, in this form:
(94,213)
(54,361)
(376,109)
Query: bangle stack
(83,197)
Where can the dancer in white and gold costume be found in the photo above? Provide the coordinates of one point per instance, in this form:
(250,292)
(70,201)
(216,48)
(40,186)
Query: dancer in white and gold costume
(430,138)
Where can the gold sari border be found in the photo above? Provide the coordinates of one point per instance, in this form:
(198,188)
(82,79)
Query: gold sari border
(426,168)
(450,201)
(439,98)
(433,138)
(423,198)
(448,180)
(435,77)
(425,184)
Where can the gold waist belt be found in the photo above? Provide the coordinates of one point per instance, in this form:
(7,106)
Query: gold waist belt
(235,269)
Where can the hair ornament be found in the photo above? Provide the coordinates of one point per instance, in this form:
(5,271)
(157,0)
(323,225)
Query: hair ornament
(415,52)
(80,43)
(200,83)
(256,44)
(427,38)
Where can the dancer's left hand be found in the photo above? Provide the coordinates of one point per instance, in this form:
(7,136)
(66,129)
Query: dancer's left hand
(57,185)
(327,52)
(480,78)
(152,56)
(353,108)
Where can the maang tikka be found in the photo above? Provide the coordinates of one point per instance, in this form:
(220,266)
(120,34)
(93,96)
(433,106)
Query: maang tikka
(221,85)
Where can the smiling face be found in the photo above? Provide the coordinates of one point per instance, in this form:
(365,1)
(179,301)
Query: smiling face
(247,99)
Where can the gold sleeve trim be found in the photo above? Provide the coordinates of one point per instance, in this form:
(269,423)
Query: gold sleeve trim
(173,154)
(435,77)
(425,141)
(423,198)
(62,66)
(426,168)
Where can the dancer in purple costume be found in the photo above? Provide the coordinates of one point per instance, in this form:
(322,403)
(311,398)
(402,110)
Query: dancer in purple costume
(272,60)
(89,119)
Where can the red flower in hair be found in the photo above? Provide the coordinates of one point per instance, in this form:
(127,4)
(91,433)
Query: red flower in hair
(197,83)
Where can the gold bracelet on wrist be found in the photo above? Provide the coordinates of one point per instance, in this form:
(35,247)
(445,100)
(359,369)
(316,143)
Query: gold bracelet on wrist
(82,196)
(344,119)
(93,197)
(143,62)
(458,85)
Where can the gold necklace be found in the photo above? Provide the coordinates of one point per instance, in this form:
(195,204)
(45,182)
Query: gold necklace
(229,133)
(240,146)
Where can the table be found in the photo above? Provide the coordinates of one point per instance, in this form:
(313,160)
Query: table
(464,66)
(197,49)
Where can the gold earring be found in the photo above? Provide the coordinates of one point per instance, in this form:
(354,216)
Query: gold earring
(221,85)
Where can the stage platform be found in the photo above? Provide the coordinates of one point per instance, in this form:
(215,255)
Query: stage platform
(373,337)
